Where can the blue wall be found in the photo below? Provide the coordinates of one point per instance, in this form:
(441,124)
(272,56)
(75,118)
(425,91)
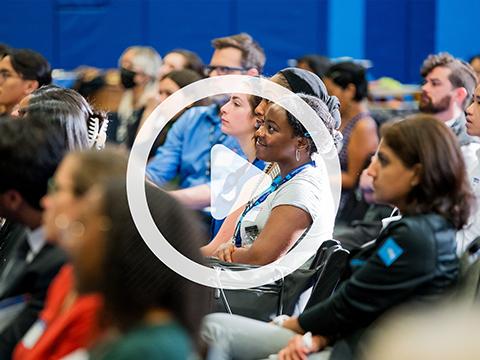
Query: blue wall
(395,35)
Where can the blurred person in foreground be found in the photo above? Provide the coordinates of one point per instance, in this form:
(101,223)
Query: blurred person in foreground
(152,312)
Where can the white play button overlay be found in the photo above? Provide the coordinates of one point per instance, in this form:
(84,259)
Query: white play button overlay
(234,181)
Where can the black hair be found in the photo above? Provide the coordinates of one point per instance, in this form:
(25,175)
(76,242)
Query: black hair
(182,77)
(474,57)
(193,61)
(317,63)
(4,48)
(346,73)
(135,280)
(30,65)
(30,150)
(68,108)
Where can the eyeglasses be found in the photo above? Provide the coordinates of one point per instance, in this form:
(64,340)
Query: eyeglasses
(223,70)
(5,74)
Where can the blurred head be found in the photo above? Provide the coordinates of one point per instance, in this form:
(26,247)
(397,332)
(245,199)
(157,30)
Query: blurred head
(419,168)
(30,151)
(175,80)
(238,115)
(111,257)
(21,72)
(315,63)
(76,174)
(67,108)
(473,114)
(280,135)
(475,63)
(236,54)
(448,83)
(139,66)
(180,59)
(441,332)
(347,81)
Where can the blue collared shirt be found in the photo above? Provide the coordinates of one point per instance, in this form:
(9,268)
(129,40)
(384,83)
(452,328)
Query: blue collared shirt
(186,151)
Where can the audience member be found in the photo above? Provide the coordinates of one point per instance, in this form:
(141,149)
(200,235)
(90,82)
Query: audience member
(180,59)
(448,88)
(317,64)
(168,84)
(239,120)
(475,63)
(155,311)
(30,151)
(82,126)
(472,230)
(418,168)
(69,320)
(21,72)
(299,193)
(139,71)
(186,152)
(295,80)
(347,81)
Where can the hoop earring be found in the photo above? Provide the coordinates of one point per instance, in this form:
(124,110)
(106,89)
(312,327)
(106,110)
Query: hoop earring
(297,155)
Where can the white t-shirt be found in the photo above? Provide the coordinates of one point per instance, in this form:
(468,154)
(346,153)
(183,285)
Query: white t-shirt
(308,190)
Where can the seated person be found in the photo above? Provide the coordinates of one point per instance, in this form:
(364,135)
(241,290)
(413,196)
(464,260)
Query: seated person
(167,85)
(139,68)
(186,152)
(418,168)
(69,320)
(299,193)
(21,72)
(83,126)
(472,230)
(180,59)
(30,151)
(153,312)
(348,82)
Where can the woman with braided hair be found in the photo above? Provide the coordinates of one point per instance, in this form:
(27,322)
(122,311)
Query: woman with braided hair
(258,233)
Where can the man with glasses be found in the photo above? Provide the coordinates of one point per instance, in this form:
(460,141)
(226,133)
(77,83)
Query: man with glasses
(186,152)
(21,72)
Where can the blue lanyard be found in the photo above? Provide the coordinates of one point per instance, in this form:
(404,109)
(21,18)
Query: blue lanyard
(277,182)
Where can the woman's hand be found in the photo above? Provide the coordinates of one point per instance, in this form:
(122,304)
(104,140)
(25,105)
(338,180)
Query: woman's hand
(297,349)
(292,324)
(224,252)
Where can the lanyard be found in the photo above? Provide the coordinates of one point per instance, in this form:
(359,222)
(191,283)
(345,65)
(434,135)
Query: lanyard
(277,182)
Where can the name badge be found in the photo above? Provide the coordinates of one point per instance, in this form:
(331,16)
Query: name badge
(33,334)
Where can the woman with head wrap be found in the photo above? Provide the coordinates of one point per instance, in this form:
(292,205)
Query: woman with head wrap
(258,233)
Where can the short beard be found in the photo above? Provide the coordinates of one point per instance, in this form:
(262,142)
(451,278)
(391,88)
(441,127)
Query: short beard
(428,107)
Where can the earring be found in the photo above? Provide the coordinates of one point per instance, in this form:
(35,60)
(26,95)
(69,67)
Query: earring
(297,155)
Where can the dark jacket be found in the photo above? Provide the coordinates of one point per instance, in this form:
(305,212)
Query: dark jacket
(30,279)
(413,260)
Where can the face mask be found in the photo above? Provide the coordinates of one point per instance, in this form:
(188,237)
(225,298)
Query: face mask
(126,76)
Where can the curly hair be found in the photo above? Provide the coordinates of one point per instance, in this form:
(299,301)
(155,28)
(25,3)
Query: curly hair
(323,113)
